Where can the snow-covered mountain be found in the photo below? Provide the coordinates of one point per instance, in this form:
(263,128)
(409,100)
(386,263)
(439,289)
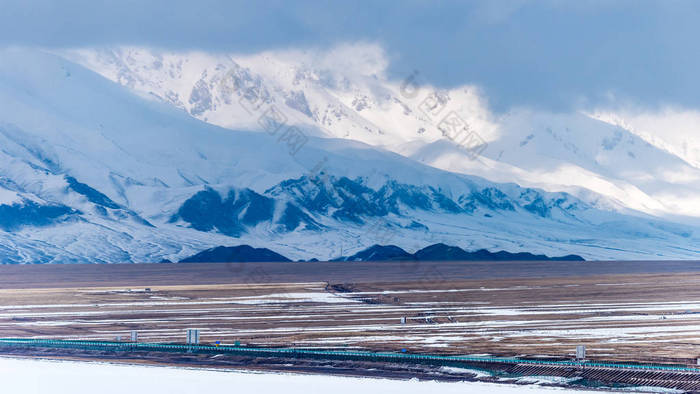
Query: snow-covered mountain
(344,93)
(93,172)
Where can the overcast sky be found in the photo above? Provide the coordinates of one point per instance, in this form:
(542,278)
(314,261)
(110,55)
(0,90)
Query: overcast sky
(553,54)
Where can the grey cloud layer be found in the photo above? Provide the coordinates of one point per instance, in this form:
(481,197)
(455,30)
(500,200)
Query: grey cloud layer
(548,53)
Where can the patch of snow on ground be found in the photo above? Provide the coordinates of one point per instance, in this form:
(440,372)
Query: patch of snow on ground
(476,372)
(56,377)
(545,379)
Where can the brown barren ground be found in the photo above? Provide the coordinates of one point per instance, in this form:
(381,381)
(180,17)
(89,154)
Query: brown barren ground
(645,313)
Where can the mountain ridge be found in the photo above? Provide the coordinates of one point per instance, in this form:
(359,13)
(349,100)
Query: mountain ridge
(435,252)
(567,152)
(145,182)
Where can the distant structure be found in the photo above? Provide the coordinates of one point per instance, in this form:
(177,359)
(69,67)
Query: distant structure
(580,352)
(134,336)
(192,336)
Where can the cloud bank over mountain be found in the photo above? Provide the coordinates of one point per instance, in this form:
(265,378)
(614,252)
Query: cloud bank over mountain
(549,54)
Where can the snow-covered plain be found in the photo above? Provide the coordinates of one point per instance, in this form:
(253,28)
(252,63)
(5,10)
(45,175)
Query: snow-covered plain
(69,377)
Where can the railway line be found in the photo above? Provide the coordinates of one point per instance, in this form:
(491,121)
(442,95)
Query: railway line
(584,373)
(328,354)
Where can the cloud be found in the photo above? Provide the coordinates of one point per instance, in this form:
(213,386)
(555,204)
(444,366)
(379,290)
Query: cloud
(356,59)
(551,54)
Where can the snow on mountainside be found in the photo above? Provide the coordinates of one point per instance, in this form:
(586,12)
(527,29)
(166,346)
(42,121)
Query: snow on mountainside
(671,129)
(343,93)
(92,172)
